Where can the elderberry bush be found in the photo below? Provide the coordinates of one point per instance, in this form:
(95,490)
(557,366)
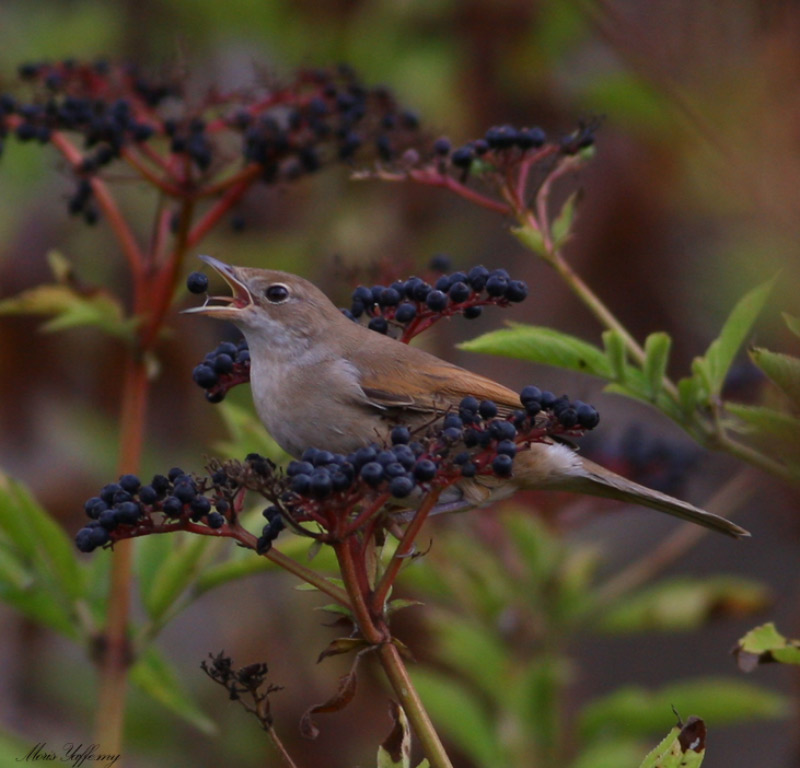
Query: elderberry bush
(328,488)
(281,130)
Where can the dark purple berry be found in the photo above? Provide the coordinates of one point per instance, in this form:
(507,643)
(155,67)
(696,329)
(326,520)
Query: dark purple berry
(320,485)
(197,282)
(496,285)
(516,291)
(459,292)
(205,376)
(215,520)
(223,364)
(128,513)
(470,313)
(487,409)
(507,448)
(502,430)
(299,468)
(148,495)
(400,435)
(441,146)
(199,506)
(372,473)
(440,262)
(424,470)
(588,417)
(378,324)
(436,301)
(547,399)
(462,157)
(502,465)
(172,506)
(529,393)
(405,313)
(468,469)
(401,486)
(301,484)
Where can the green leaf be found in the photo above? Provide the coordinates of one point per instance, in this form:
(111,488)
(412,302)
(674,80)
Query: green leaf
(36,545)
(157,678)
(682,604)
(792,322)
(635,711)
(457,713)
(765,422)
(538,344)
(616,753)
(616,355)
(70,308)
(531,239)
(683,747)
(176,573)
(561,227)
(471,649)
(765,645)
(656,355)
(783,370)
(689,394)
(723,349)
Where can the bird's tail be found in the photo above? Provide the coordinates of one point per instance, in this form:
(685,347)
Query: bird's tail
(587,477)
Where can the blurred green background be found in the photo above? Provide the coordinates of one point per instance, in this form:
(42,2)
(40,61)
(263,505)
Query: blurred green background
(692,198)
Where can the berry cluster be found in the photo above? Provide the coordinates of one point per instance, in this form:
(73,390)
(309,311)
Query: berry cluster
(127,508)
(326,488)
(284,130)
(413,305)
(223,368)
(477,439)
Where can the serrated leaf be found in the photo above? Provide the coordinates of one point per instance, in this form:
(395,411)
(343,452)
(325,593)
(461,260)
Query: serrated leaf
(683,747)
(765,645)
(616,355)
(538,344)
(175,574)
(656,354)
(456,713)
(531,239)
(783,370)
(561,227)
(395,750)
(722,351)
(70,308)
(635,711)
(681,604)
(158,679)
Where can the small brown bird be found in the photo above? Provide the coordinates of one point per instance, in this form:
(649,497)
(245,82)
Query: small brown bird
(320,380)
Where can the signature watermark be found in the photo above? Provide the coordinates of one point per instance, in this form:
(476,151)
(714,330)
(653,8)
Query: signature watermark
(76,755)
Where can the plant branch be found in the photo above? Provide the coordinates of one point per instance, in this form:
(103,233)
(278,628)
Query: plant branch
(409,699)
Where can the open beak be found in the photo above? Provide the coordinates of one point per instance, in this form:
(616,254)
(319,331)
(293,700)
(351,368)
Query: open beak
(231,305)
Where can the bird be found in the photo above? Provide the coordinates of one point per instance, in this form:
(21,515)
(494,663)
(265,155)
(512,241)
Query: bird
(318,379)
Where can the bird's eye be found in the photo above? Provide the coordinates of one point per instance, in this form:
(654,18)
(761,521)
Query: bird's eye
(277,293)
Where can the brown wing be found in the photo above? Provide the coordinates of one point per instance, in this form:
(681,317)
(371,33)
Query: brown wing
(419,381)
